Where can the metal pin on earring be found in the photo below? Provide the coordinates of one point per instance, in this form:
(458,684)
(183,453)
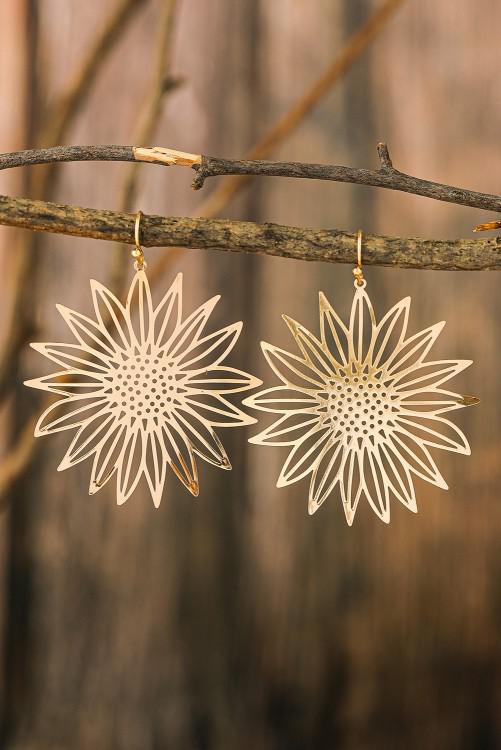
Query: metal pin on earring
(137,253)
(357,271)
(145,386)
(361,405)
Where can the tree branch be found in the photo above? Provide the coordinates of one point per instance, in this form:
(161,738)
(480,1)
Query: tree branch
(58,119)
(149,114)
(329,245)
(209,166)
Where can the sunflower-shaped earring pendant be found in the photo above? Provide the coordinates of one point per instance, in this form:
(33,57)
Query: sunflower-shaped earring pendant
(143,387)
(361,407)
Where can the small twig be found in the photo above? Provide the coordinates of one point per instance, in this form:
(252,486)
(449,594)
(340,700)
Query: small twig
(387,177)
(209,166)
(73,96)
(330,245)
(489,225)
(384,157)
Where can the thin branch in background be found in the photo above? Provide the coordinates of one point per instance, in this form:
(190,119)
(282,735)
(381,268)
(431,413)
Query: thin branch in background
(277,135)
(489,225)
(150,111)
(16,460)
(70,101)
(59,118)
(290,120)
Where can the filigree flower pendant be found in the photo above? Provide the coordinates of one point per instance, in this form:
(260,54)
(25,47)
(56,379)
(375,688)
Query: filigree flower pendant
(144,388)
(361,407)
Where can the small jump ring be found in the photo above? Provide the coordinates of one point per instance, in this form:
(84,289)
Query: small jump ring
(137,238)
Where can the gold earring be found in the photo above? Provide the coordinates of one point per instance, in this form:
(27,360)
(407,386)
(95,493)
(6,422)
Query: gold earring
(143,386)
(361,406)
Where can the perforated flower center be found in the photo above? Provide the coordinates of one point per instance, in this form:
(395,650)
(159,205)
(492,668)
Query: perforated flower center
(361,405)
(146,386)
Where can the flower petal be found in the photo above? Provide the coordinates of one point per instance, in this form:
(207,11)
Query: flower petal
(217,410)
(398,477)
(283,400)
(314,351)
(155,465)
(91,336)
(70,382)
(413,351)
(333,332)
(291,370)
(88,439)
(390,332)
(416,456)
(73,356)
(429,375)
(434,400)
(351,480)
(362,326)
(68,412)
(180,458)
(199,433)
(109,310)
(168,313)
(211,350)
(187,333)
(375,488)
(436,431)
(139,311)
(107,457)
(131,464)
(326,474)
(222,379)
(305,454)
(287,430)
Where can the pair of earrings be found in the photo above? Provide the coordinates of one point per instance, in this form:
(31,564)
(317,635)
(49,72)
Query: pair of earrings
(358,408)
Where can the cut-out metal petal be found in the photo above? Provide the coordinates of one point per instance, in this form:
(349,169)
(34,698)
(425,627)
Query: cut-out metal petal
(143,389)
(361,407)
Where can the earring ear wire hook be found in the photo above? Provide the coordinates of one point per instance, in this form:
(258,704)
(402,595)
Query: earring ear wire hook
(137,253)
(357,271)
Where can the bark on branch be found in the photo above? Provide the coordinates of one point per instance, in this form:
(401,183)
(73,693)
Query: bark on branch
(329,245)
(209,166)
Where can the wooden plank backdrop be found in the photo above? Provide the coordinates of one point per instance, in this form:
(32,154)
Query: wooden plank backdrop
(236,620)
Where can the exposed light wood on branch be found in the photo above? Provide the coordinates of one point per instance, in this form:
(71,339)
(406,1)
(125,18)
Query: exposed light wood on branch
(168,156)
(149,113)
(328,245)
(209,166)
(65,108)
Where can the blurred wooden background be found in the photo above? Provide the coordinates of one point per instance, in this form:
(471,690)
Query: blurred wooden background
(236,620)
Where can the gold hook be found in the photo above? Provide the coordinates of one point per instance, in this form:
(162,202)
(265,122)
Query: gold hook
(137,253)
(357,271)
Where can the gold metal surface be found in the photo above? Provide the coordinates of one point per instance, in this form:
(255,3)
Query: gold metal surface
(146,394)
(360,407)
